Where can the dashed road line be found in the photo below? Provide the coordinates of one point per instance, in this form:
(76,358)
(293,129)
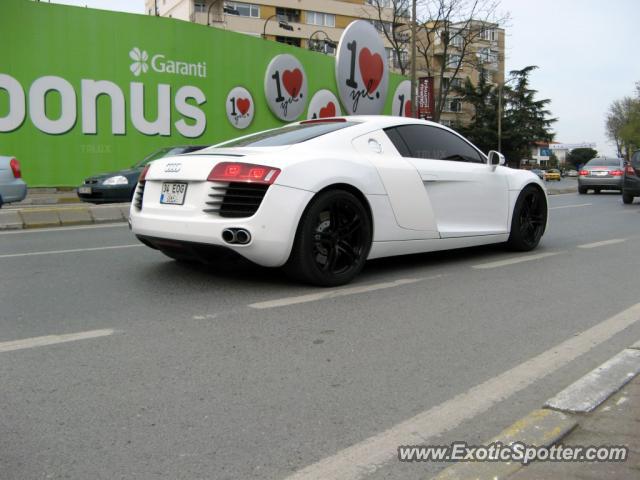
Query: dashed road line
(74,250)
(571,206)
(366,457)
(52,340)
(603,243)
(514,260)
(325,294)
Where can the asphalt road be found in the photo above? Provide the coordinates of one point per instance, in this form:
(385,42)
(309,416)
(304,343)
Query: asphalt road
(202,374)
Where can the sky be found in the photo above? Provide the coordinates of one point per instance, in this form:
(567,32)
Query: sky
(586,51)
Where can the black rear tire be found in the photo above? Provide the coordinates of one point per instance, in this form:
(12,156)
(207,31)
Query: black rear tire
(626,198)
(333,240)
(582,190)
(529,220)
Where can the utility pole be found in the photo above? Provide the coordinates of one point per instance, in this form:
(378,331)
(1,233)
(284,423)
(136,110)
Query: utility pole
(414,109)
(500,85)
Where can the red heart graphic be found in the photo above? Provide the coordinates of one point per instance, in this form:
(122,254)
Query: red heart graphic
(371,68)
(243,105)
(407,109)
(328,111)
(292,81)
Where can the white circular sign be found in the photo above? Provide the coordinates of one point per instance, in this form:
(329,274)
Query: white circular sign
(240,107)
(285,87)
(401,104)
(324,104)
(362,74)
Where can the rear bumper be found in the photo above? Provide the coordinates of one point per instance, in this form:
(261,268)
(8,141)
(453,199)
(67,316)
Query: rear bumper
(107,193)
(272,227)
(16,191)
(614,183)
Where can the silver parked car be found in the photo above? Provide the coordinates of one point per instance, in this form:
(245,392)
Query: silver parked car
(601,173)
(12,187)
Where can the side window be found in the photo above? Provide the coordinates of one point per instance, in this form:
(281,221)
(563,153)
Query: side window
(397,141)
(436,143)
(635,160)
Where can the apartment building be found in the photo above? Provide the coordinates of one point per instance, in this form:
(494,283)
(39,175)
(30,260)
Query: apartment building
(453,52)
(309,24)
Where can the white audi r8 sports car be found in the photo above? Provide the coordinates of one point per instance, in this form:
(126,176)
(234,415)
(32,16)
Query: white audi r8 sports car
(320,197)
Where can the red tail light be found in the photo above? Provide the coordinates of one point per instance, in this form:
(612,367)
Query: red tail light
(584,173)
(243,172)
(616,173)
(15,168)
(629,170)
(143,173)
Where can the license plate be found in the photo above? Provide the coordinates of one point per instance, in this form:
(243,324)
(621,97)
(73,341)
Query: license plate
(173,193)
(85,190)
(600,173)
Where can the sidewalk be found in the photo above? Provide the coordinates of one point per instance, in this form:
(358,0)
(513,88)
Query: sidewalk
(615,422)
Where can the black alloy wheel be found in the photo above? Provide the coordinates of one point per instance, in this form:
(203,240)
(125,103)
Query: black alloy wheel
(529,219)
(333,240)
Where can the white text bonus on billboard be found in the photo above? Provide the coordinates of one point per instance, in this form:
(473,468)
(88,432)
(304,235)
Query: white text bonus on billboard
(186,101)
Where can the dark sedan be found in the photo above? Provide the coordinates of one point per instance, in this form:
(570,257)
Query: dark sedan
(119,186)
(631,182)
(601,173)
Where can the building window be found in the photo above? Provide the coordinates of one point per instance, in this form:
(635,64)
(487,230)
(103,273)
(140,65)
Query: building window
(381,27)
(453,105)
(321,19)
(244,9)
(488,34)
(453,61)
(199,7)
(451,83)
(447,123)
(457,40)
(392,58)
(380,3)
(322,46)
(288,14)
(289,41)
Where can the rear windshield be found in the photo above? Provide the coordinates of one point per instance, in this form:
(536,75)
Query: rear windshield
(604,162)
(635,160)
(167,152)
(288,135)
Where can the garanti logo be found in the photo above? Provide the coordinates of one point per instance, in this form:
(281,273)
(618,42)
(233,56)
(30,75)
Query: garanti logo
(160,64)
(140,59)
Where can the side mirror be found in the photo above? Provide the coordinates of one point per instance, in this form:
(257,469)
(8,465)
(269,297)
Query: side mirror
(495,158)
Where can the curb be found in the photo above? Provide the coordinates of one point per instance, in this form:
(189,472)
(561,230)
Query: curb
(25,218)
(558,417)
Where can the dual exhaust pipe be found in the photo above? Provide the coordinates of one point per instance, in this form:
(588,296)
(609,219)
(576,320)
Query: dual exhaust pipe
(236,236)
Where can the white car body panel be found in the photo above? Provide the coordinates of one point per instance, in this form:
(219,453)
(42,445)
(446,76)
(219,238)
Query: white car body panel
(417,205)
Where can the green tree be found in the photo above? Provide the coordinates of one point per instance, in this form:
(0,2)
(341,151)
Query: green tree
(623,124)
(579,156)
(525,118)
(482,130)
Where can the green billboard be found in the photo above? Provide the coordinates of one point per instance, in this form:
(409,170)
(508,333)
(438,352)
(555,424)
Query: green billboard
(86,91)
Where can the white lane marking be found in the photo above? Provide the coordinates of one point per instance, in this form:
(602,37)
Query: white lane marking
(514,260)
(323,295)
(52,340)
(571,206)
(603,243)
(65,229)
(75,250)
(367,456)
